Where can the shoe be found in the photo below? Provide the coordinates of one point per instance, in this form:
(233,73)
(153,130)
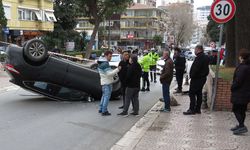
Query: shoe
(240,130)
(134,113)
(197,112)
(155,81)
(106,113)
(147,89)
(99,111)
(178,91)
(161,99)
(124,114)
(151,80)
(165,110)
(143,89)
(121,107)
(189,112)
(234,128)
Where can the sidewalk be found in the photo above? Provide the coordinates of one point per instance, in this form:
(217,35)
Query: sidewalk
(5,85)
(174,131)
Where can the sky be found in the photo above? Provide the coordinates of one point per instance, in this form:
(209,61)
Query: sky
(197,3)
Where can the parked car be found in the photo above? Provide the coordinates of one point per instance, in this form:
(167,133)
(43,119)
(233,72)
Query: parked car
(32,67)
(189,55)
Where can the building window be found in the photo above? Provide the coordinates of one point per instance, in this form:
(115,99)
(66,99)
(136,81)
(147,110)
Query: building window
(27,14)
(50,16)
(7,12)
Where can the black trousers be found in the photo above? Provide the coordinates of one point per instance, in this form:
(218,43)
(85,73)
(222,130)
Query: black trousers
(123,89)
(132,94)
(179,78)
(195,93)
(153,73)
(145,80)
(240,113)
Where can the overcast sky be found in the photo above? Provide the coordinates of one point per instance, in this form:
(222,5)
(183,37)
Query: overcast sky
(197,3)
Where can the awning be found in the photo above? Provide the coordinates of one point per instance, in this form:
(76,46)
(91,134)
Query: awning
(50,16)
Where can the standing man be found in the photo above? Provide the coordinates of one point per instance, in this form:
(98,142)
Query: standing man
(166,78)
(180,65)
(153,55)
(106,77)
(133,79)
(145,64)
(198,74)
(124,63)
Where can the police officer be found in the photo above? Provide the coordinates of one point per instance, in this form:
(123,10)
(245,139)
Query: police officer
(180,65)
(153,55)
(145,65)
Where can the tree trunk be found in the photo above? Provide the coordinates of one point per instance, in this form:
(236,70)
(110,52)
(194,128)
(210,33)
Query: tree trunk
(242,24)
(230,43)
(92,40)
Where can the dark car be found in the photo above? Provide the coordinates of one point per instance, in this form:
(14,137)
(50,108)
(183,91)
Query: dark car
(34,68)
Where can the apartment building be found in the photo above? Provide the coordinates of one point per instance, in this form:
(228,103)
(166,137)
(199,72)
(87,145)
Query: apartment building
(140,23)
(28,19)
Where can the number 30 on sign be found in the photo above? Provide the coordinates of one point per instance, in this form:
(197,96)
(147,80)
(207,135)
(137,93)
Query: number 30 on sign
(222,10)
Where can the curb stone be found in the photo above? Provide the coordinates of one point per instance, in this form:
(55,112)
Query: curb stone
(133,136)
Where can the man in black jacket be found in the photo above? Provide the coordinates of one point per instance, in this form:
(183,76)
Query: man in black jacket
(124,63)
(133,78)
(198,74)
(180,65)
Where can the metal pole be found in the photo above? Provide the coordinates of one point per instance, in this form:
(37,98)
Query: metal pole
(217,68)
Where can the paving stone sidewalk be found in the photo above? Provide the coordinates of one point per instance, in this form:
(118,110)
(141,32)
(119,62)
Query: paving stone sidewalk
(206,131)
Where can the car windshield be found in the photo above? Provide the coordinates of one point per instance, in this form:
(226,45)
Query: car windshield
(115,58)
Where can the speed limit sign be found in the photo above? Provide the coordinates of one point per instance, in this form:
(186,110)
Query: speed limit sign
(223,10)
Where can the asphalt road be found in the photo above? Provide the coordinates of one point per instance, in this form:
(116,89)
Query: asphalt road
(32,122)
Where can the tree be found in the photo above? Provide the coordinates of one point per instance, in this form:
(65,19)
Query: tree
(180,21)
(213,30)
(158,39)
(3,20)
(66,13)
(99,10)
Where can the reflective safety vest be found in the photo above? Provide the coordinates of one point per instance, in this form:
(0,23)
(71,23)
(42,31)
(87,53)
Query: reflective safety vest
(145,63)
(154,57)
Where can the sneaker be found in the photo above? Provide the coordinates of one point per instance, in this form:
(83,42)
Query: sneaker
(240,130)
(234,128)
(147,89)
(121,107)
(143,89)
(106,113)
(124,114)
(134,113)
(165,110)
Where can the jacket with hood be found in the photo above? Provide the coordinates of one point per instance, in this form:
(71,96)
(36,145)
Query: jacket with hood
(106,73)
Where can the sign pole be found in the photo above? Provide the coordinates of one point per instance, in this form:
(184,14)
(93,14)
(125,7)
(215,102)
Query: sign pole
(217,68)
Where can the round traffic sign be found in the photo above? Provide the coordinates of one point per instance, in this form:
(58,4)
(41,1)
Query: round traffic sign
(223,10)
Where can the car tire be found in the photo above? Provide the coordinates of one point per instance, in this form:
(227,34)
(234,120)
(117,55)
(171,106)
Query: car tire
(94,66)
(35,50)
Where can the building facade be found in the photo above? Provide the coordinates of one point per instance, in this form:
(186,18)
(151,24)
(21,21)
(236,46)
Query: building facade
(28,19)
(140,23)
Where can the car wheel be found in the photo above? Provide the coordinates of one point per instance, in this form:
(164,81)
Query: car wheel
(94,66)
(35,50)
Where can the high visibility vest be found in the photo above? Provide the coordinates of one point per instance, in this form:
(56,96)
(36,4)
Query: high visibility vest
(154,57)
(145,63)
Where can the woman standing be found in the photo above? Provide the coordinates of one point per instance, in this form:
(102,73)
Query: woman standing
(241,91)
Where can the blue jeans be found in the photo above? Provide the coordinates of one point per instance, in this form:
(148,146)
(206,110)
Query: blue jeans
(166,96)
(106,93)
